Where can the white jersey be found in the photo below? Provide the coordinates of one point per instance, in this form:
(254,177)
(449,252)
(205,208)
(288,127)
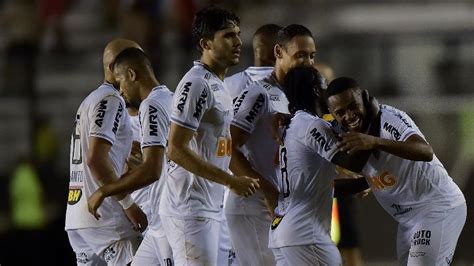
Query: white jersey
(407,189)
(236,83)
(201,104)
(253,111)
(140,196)
(102,115)
(154,115)
(305,183)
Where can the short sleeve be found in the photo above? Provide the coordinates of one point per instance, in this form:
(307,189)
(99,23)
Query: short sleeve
(190,101)
(398,126)
(320,138)
(107,117)
(154,124)
(249,107)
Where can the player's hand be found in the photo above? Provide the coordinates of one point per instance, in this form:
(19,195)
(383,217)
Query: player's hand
(278,121)
(137,217)
(243,185)
(353,142)
(94,202)
(371,105)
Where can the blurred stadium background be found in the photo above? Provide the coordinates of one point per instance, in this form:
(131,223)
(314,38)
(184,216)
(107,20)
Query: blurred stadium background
(417,55)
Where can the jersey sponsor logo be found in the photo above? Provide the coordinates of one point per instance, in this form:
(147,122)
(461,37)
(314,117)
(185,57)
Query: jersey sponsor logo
(77,176)
(74,195)
(276,221)
(238,101)
(152,120)
(184,96)
(224,147)
(403,119)
(385,180)
(421,237)
(117,119)
(101,113)
(255,108)
(392,130)
(274,98)
(399,210)
(199,105)
(416,254)
(207,76)
(323,142)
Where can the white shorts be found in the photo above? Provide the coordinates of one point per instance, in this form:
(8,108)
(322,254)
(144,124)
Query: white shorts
(249,236)
(103,246)
(308,255)
(431,241)
(226,254)
(194,241)
(153,251)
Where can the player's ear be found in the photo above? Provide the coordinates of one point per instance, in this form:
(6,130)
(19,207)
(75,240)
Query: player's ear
(278,51)
(205,44)
(132,75)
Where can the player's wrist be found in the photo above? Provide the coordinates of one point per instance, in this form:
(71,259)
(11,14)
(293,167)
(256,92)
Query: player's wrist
(126,202)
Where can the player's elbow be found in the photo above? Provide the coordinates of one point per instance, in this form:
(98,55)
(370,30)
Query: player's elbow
(94,163)
(428,154)
(173,152)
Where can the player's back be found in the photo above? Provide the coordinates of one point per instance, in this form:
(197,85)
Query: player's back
(305,183)
(403,187)
(102,115)
(200,104)
(236,83)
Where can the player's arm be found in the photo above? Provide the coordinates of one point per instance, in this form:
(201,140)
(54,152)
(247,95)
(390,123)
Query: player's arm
(145,174)
(180,152)
(240,165)
(403,139)
(349,186)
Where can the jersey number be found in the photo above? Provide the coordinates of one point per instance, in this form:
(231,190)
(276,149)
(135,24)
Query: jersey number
(285,184)
(76,144)
(224,147)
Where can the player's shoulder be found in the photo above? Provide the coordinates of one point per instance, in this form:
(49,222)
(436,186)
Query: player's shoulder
(390,113)
(104,91)
(305,119)
(159,96)
(257,73)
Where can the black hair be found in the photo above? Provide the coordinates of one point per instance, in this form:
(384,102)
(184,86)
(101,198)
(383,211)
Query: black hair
(302,87)
(210,20)
(286,34)
(268,30)
(133,56)
(341,84)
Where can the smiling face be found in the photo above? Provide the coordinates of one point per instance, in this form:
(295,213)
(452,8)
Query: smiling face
(126,79)
(225,46)
(300,51)
(348,109)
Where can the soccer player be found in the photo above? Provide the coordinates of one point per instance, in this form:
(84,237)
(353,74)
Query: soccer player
(139,87)
(300,232)
(405,176)
(100,144)
(264,40)
(199,144)
(254,149)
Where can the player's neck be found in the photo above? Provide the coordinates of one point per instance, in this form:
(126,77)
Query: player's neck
(147,86)
(214,66)
(279,75)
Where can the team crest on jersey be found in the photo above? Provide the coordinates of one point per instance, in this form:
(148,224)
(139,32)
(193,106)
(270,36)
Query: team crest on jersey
(276,221)
(74,195)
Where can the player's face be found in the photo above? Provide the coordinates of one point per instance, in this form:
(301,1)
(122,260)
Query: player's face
(348,109)
(225,47)
(300,51)
(127,84)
